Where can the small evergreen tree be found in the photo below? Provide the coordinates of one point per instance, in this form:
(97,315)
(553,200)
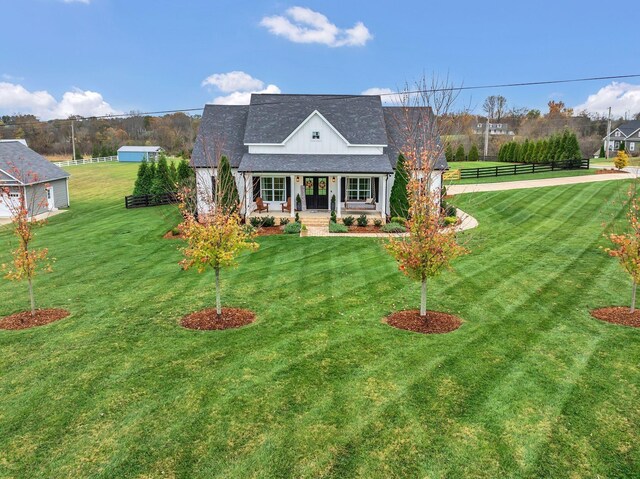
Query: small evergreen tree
(173,173)
(572,147)
(399,201)
(150,176)
(515,152)
(227,192)
(501,151)
(184,171)
(602,153)
(474,154)
(448,153)
(162,180)
(460,153)
(142,185)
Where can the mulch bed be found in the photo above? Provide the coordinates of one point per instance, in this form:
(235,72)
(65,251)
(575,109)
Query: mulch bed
(169,235)
(609,171)
(24,320)
(618,315)
(436,323)
(364,229)
(208,319)
(270,230)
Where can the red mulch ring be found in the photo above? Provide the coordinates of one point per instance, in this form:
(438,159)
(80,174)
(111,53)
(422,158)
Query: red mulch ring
(609,171)
(208,319)
(24,320)
(436,322)
(270,230)
(618,315)
(364,229)
(169,235)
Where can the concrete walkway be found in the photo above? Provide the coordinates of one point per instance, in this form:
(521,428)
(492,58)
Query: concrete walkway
(467,222)
(516,185)
(43,216)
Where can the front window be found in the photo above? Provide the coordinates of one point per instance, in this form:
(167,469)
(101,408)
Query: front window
(315,135)
(358,188)
(632,146)
(272,188)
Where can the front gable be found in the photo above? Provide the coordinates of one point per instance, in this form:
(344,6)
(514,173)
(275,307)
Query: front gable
(315,136)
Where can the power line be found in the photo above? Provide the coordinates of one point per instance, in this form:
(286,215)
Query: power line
(333,97)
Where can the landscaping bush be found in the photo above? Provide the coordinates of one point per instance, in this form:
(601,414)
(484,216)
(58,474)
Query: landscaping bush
(348,220)
(474,154)
(393,228)
(460,156)
(255,221)
(450,210)
(621,161)
(362,220)
(284,221)
(297,220)
(399,220)
(334,218)
(248,229)
(293,228)
(450,220)
(337,228)
(377,222)
(268,221)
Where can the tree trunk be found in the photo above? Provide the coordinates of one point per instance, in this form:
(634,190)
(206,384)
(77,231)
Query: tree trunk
(633,297)
(218,304)
(33,301)
(423,299)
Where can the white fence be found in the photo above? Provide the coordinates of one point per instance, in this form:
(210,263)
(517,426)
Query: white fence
(102,159)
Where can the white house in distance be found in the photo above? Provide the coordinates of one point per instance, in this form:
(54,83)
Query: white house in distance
(628,132)
(24,172)
(315,146)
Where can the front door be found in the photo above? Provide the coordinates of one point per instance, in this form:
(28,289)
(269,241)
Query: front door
(50,202)
(316,191)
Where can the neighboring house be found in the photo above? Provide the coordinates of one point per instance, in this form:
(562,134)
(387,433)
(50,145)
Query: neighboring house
(24,142)
(25,172)
(494,129)
(138,153)
(628,132)
(315,146)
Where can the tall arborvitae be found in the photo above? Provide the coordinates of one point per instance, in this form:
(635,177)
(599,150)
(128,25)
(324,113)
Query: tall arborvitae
(602,152)
(162,180)
(399,201)
(173,173)
(515,152)
(448,153)
(460,153)
(150,175)
(572,147)
(474,154)
(501,151)
(226,184)
(142,185)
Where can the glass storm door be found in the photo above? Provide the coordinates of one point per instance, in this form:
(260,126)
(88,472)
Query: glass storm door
(316,190)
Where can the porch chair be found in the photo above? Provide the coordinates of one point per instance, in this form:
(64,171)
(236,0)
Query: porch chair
(260,206)
(286,206)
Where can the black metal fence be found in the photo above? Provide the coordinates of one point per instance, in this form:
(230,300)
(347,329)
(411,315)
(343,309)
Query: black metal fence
(507,170)
(142,201)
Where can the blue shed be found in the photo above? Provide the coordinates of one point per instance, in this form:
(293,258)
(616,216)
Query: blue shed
(138,153)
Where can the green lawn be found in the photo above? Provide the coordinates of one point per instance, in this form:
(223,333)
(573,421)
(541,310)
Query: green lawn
(529,386)
(528,176)
(633,161)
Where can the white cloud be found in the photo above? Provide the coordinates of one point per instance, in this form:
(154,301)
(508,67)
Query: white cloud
(387,95)
(233,81)
(621,97)
(239,86)
(303,25)
(15,98)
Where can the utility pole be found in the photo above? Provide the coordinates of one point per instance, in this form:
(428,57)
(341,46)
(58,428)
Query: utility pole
(486,139)
(73,139)
(606,149)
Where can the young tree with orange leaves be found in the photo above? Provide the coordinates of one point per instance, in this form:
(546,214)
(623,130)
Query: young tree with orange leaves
(429,248)
(26,260)
(627,244)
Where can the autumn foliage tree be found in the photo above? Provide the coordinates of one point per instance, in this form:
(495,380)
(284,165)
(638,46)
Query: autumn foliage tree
(27,261)
(428,248)
(627,245)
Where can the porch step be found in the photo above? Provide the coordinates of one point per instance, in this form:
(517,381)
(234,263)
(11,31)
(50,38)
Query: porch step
(315,221)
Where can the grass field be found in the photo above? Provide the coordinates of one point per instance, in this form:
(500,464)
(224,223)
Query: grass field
(633,161)
(528,176)
(529,386)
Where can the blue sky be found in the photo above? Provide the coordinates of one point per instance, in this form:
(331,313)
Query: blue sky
(98,56)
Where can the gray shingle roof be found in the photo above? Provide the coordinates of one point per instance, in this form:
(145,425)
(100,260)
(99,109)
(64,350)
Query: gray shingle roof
(272,118)
(222,127)
(315,163)
(141,149)
(396,118)
(26,165)
(629,127)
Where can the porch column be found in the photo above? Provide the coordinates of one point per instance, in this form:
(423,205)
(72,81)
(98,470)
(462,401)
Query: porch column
(338,196)
(383,203)
(292,213)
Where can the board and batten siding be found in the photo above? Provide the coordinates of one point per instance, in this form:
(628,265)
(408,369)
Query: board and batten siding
(330,143)
(37,196)
(204,186)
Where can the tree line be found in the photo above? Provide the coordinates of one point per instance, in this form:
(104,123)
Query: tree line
(558,147)
(163,176)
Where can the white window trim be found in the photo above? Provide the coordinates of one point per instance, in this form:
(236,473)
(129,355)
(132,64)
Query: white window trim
(273,190)
(632,146)
(359,188)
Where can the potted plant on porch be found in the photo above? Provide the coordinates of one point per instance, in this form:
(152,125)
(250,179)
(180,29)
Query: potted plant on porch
(333,203)
(298,202)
